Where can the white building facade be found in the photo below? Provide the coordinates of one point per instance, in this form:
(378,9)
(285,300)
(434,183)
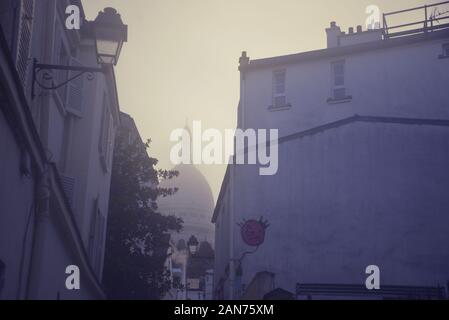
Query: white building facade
(57,161)
(362,177)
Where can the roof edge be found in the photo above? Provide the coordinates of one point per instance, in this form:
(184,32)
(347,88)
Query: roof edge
(332,125)
(344,50)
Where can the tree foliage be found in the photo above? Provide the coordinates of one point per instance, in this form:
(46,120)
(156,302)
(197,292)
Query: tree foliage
(137,236)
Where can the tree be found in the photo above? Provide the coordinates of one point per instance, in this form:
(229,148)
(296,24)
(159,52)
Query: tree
(137,236)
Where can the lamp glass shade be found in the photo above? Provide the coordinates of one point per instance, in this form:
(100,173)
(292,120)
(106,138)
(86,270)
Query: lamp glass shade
(193,248)
(107,51)
(193,244)
(110,33)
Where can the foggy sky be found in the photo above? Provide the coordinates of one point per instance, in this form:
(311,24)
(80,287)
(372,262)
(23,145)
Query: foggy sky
(181,58)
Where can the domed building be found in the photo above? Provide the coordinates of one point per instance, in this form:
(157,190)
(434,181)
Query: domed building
(193,202)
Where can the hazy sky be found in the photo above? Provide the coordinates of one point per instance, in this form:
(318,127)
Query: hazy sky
(181,58)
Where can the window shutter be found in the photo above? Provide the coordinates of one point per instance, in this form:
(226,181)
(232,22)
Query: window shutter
(75,95)
(102,128)
(110,145)
(68,184)
(279,101)
(91,242)
(100,225)
(340,93)
(105,135)
(24,38)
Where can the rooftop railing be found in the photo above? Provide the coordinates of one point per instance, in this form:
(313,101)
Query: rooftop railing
(436,17)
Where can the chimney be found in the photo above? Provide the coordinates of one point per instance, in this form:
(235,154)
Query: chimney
(333,35)
(244,59)
(351,30)
(359,29)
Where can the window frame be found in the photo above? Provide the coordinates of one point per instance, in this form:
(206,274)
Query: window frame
(445,51)
(106,139)
(335,75)
(275,94)
(338,85)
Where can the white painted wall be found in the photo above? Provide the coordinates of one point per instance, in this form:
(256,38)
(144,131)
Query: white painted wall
(361,194)
(407,81)
(346,198)
(78,142)
(16,205)
(76,154)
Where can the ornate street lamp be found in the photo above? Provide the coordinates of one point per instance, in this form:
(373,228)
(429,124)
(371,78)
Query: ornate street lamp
(192,244)
(109,33)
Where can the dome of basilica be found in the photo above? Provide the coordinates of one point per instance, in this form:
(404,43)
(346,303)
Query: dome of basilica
(193,203)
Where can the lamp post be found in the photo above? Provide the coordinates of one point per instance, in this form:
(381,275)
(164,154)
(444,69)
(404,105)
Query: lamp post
(109,34)
(192,244)
(192,248)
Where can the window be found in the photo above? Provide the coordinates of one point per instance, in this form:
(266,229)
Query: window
(338,81)
(74,94)
(338,73)
(63,60)
(24,38)
(106,135)
(445,51)
(68,185)
(97,237)
(62,57)
(100,228)
(279,89)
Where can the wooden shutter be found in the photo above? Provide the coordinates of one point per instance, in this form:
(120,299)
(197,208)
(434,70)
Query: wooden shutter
(74,101)
(100,226)
(105,133)
(110,143)
(24,38)
(92,230)
(68,184)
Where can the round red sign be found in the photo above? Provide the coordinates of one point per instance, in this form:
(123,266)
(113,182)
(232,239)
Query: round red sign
(253,232)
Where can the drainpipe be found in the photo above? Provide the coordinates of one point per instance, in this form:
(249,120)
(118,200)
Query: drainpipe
(42,215)
(36,281)
(243,61)
(231,236)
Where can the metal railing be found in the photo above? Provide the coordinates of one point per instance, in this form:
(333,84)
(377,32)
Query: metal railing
(385,292)
(430,23)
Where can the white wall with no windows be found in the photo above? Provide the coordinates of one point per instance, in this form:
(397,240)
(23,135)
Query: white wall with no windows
(361,194)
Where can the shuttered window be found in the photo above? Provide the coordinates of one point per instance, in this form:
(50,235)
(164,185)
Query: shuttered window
(99,240)
(106,136)
(97,237)
(279,99)
(24,38)
(338,80)
(68,185)
(446,50)
(74,101)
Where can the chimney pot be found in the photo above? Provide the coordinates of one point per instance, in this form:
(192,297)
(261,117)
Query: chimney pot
(359,28)
(333,35)
(351,30)
(244,59)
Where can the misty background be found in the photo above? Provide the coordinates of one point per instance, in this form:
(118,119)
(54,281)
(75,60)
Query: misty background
(181,58)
